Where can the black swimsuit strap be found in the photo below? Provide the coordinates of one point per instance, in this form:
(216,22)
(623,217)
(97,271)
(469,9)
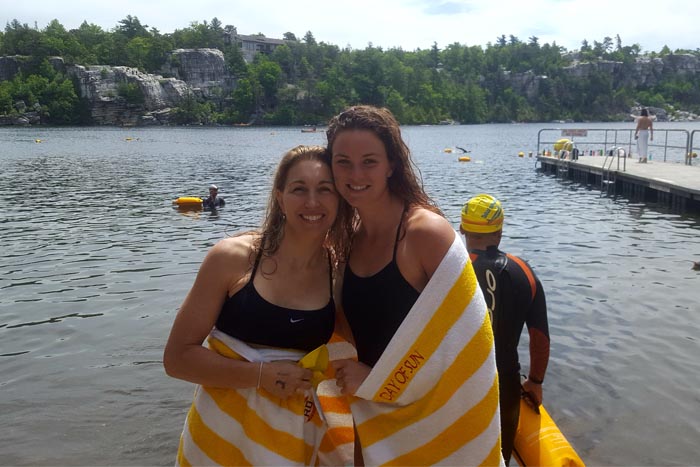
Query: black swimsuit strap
(255,265)
(330,272)
(398,232)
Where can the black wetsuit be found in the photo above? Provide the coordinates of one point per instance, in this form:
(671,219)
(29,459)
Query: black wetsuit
(218,203)
(249,317)
(514,296)
(375,307)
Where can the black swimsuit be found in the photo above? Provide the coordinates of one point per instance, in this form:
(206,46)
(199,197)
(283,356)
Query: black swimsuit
(375,306)
(249,317)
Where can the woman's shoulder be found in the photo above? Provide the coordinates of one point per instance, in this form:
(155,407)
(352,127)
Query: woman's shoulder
(428,228)
(236,248)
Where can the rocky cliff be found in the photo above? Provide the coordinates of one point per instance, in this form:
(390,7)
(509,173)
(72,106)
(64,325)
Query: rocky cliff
(103,87)
(202,69)
(644,72)
(199,72)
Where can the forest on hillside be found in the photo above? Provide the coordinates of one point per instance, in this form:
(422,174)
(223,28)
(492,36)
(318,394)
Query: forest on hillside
(306,81)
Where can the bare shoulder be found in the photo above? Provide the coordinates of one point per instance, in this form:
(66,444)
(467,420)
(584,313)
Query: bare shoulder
(428,237)
(429,229)
(232,253)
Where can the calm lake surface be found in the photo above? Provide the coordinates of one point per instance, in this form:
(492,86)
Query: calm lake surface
(94,262)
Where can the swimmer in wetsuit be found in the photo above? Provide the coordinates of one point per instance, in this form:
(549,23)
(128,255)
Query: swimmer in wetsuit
(213,201)
(515,297)
(270,289)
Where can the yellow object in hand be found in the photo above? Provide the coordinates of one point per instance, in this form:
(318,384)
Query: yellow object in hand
(317,361)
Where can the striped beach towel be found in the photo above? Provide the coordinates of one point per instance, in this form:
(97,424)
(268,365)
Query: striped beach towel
(432,398)
(250,426)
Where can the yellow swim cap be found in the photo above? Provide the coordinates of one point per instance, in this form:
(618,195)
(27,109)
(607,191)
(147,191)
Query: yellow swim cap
(482,214)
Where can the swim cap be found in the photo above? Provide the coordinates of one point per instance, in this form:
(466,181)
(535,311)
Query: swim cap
(482,214)
(213,187)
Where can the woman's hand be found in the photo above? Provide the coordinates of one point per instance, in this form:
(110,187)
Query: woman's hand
(285,378)
(350,375)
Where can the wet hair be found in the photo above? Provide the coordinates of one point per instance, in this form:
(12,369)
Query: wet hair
(644,112)
(272,230)
(405,181)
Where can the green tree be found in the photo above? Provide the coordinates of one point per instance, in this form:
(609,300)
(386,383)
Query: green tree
(243,100)
(131,27)
(192,111)
(60,102)
(267,75)
(131,92)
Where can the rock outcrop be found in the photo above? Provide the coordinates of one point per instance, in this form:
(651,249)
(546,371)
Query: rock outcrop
(9,66)
(204,70)
(103,87)
(199,72)
(643,72)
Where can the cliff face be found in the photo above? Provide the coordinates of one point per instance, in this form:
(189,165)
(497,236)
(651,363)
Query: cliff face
(101,86)
(9,67)
(643,72)
(200,72)
(204,70)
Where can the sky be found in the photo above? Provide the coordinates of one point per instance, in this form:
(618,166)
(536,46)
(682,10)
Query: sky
(406,24)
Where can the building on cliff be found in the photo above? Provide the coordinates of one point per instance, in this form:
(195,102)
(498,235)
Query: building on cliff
(252,45)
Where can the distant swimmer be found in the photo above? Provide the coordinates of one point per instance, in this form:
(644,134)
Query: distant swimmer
(462,149)
(213,201)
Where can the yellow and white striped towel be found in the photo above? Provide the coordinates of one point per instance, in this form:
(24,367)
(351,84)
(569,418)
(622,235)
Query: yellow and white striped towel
(432,398)
(250,426)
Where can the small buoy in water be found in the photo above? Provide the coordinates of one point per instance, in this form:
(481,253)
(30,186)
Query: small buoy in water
(447,150)
(464,159)
(521,154)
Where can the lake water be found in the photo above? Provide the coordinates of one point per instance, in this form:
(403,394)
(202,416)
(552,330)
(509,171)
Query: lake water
(95,261)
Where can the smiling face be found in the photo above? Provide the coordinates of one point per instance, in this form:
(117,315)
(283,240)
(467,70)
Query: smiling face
(361,166)
(309,199)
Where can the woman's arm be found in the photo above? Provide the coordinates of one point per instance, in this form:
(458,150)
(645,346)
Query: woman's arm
(185,358)
(428,237)
(222,273)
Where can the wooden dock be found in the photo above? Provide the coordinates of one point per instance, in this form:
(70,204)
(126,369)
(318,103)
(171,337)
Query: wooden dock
(675,185)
